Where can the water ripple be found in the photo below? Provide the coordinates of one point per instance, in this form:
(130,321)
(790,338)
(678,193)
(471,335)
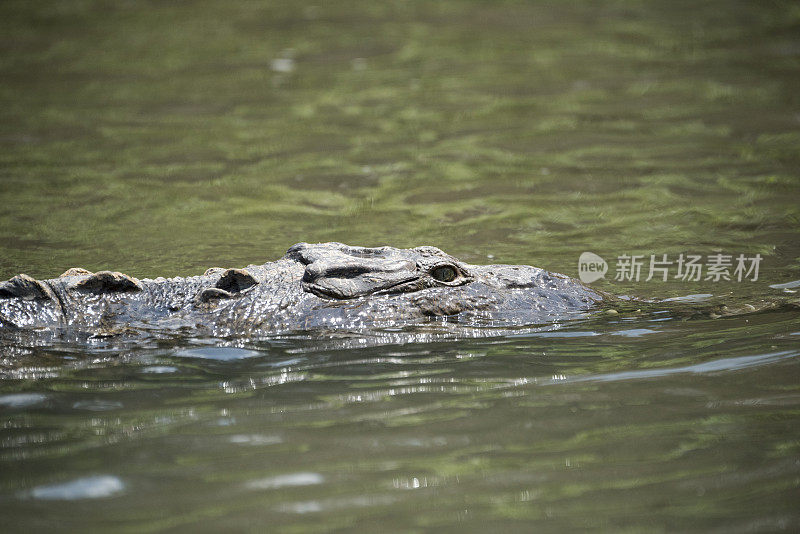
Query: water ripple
(22,400)
(94,487)
(218,353)
(288,480)
(714,366)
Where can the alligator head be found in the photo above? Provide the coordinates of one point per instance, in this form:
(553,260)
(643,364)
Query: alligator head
(390,284)
(338,271)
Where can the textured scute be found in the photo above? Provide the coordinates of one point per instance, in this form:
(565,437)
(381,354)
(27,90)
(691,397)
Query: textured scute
(108,282)
(28,303)
(76,271)
(24,287)
(212,293)
(236,280)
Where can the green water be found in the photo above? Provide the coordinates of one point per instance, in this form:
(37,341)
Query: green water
(167,137)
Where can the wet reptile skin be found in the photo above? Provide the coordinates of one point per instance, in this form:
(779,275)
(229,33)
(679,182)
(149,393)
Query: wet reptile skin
(326,285)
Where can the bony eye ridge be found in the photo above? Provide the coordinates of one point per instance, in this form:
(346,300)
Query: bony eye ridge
(444,273)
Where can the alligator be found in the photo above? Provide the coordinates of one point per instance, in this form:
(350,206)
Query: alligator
(328,286)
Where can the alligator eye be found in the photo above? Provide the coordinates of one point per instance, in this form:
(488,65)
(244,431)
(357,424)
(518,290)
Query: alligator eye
(445,273)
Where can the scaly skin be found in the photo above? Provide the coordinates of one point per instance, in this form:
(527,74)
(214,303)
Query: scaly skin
(327,286)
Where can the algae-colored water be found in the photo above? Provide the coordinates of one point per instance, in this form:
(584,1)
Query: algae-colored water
(162,138)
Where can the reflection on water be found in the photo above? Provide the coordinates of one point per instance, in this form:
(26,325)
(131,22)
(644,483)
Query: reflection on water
(724,364)
(96,487)
(167,138)
(22,400)
(160,369)
(282,481)
(587,428)
(216,353)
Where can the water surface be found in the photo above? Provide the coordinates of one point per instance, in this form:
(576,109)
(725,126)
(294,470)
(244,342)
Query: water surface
(166,138)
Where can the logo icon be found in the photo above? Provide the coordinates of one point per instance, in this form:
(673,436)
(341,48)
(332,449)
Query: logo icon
(591,267)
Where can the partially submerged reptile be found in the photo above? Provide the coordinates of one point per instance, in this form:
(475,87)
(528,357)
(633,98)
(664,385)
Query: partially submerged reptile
(327,285)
